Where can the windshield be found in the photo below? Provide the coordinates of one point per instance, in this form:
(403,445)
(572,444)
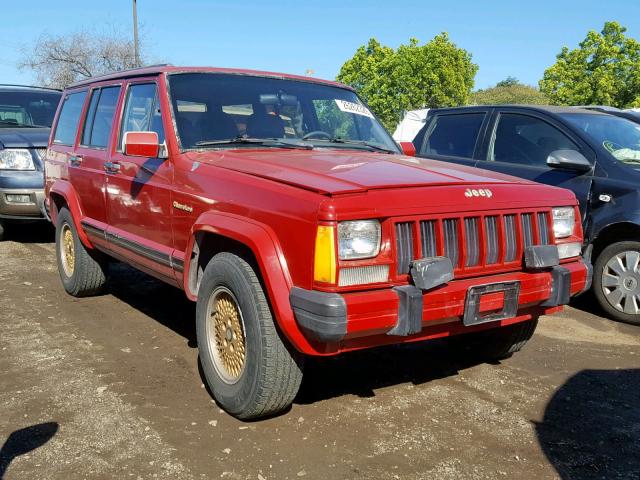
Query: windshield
(27,109)
(224,110)
(619,136)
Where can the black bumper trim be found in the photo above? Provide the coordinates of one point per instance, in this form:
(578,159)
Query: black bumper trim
(409,311)
(541,256)
(321,316)
(560,287)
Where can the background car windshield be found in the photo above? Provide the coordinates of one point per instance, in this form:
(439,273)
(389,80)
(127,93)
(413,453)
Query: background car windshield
(27,109)
(621,137)
(212,107)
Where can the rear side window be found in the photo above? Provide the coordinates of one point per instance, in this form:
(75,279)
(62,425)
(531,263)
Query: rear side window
(69,118)
(142,111)
(453,135)
(99,120)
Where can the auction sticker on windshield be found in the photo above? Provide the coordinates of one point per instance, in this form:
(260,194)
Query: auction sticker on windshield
(351,107)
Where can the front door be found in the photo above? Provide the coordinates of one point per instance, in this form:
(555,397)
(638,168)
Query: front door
(520,144)
(139,189)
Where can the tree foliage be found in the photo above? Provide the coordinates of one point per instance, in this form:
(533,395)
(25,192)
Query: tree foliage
(436,74)
(509,91)
(603,70)
(58,60)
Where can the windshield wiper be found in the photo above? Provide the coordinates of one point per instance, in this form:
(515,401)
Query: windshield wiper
(18,125)
(362,143)
(268,142)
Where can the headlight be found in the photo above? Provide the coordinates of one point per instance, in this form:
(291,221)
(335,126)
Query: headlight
(16,159)
(569,250)
(358,239)
(564,221)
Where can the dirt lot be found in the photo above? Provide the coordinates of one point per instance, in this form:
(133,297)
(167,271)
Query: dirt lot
(109,387)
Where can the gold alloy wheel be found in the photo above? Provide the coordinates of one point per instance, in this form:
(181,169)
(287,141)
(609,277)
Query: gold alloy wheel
(67,250)
(226,335)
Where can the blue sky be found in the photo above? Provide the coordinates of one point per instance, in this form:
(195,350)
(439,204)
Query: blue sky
(505,37)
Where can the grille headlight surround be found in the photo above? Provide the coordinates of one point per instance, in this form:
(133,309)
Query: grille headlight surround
(564,221)
(16,159)
(358,239)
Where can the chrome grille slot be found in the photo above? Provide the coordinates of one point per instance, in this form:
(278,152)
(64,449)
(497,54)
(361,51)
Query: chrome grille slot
(491,239)
(527,229)
(451,247)
(472,242)
(510,238)
(404,246)
(40,152)
(543,229)
(428,235)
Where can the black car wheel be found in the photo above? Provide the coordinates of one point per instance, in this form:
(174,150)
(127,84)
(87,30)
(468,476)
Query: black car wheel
(249,368)
(616,281)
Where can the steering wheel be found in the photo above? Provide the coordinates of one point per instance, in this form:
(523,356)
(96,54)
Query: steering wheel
(317,134)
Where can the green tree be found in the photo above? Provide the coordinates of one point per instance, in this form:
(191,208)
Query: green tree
(509,91)
(603,70)
(436,74)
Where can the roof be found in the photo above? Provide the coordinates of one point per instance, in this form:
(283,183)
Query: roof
(542,108)
(22,88)
(157,69)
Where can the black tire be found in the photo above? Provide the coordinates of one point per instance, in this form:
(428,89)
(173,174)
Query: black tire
(2,230)
(497,343)
(271,371)
(599,289)
(87,275)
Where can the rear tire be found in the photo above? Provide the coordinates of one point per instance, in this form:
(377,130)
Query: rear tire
(616,281)
(249,368)
(2,230)
(82,272)
(498,343)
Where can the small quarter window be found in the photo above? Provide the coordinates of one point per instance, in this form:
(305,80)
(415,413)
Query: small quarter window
(68,120)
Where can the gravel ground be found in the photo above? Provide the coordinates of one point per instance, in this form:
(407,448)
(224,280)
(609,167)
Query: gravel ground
(109,387)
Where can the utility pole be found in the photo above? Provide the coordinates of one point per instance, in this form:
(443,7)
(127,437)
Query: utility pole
(136,47)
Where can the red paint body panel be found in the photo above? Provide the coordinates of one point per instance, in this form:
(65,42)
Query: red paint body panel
(149,212)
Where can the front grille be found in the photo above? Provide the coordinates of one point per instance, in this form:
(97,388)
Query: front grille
(363,275)
(40,152)
(472,241)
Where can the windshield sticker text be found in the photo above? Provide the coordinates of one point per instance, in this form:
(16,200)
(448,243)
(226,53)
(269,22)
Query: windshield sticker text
(356,108)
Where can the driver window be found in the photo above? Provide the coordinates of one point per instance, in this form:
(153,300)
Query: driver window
(142,111)
(526,140)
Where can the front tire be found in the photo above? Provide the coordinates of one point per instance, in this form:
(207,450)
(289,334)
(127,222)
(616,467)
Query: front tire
(250,370)
(616,281)
(2,230)
(82,273)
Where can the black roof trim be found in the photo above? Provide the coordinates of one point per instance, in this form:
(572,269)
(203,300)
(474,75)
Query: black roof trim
(28,87)
(130,72)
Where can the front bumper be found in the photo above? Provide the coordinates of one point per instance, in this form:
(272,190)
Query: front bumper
(369,318)
(22,183)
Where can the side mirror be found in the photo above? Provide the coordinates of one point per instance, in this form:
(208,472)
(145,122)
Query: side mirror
(408,149)
(141,144)
(570,159)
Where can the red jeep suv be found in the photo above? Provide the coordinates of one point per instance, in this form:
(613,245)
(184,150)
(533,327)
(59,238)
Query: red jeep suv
(285,210)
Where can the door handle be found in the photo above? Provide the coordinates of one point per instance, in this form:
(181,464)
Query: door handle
(75,160)
(111,167)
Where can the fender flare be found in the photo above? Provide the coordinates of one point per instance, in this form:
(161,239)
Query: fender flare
(262,241)
(64,189)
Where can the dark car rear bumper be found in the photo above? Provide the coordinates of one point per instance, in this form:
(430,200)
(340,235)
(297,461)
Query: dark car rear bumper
(17,183)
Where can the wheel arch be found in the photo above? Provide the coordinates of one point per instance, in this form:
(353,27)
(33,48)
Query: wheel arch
(62,194)
(216,232)
(615,232)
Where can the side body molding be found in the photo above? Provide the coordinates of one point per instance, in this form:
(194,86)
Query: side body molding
(65,190)
(262,241)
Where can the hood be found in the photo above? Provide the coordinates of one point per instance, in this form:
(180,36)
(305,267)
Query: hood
(24,137)
(346,171)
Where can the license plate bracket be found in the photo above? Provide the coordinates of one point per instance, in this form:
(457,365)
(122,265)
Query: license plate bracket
(472,313)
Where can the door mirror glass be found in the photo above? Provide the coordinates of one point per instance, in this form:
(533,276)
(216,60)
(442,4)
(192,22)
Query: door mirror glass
(141,144)
(571,159)
(408,148)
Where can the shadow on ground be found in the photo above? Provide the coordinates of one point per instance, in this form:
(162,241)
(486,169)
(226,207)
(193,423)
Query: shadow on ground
(24,441)
(33,232)
(591,426)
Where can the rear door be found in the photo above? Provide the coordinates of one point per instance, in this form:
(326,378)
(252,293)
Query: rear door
(86,167)
(519,142)
(453,135)
(139,188)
